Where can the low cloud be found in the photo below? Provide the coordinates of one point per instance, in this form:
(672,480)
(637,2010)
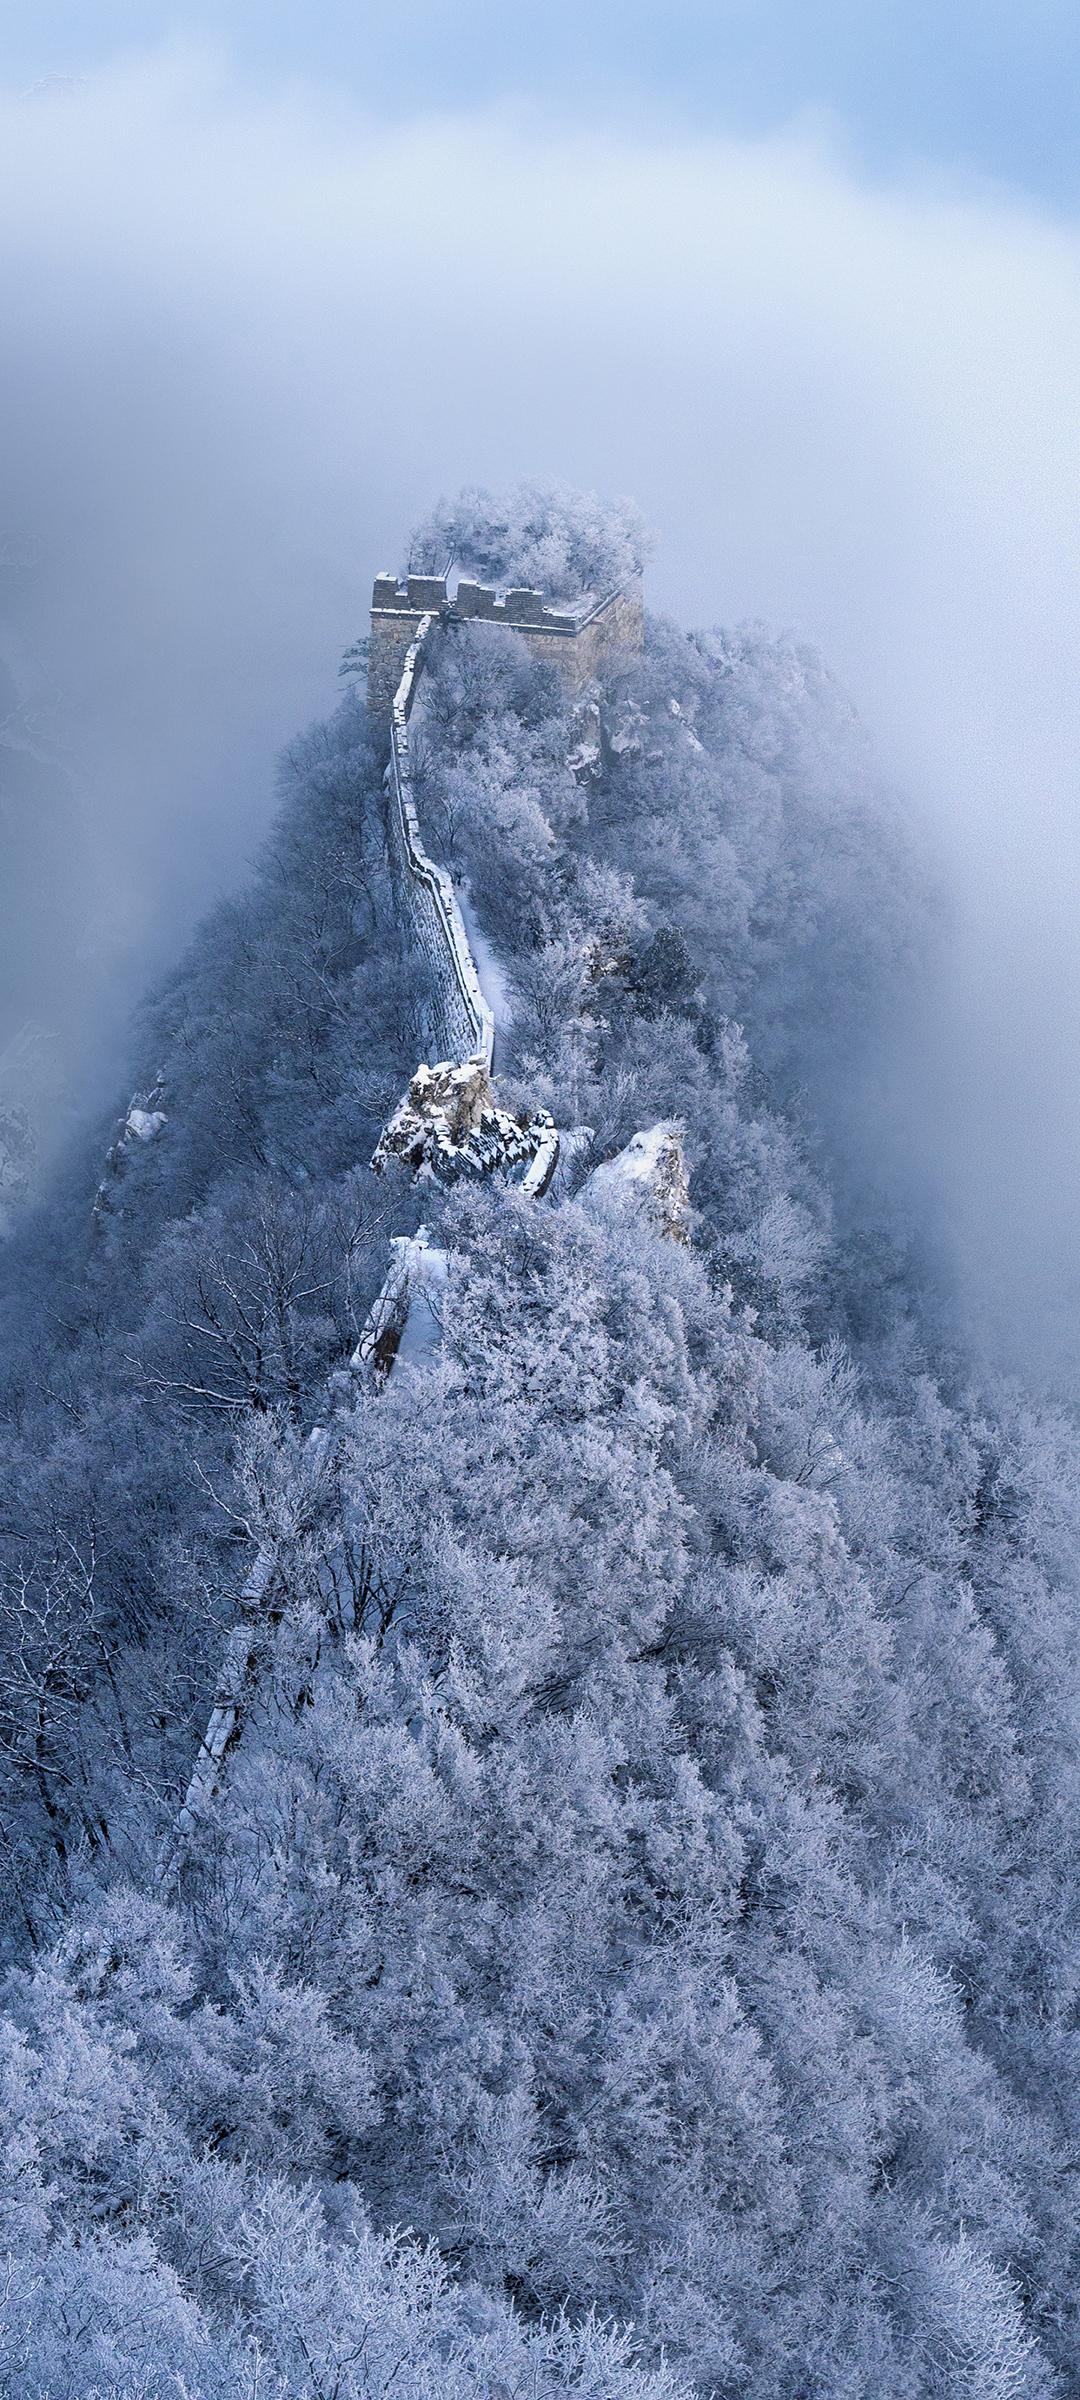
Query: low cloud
(248,342)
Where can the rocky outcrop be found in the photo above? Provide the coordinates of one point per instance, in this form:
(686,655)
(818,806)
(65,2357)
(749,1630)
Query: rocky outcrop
(450,1125)
(144,1121)
(648,1177)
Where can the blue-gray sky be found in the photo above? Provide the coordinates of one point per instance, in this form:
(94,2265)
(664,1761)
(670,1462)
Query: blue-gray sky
(975,86)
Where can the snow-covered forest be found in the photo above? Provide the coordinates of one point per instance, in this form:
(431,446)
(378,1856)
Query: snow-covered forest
(630,1949)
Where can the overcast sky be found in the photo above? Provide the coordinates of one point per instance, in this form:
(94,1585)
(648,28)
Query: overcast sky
(802,280)
(975,84)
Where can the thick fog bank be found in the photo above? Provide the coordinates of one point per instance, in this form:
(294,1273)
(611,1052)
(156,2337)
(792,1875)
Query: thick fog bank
(247,344)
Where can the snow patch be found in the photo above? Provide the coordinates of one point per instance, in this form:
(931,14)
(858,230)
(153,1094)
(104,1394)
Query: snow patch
(490,972)
(144,1124)
(422,1330)
(650,1172)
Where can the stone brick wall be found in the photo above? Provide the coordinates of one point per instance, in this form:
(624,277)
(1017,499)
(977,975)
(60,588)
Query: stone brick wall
(617,623)
(575,641)
(392,637)
(461,1025)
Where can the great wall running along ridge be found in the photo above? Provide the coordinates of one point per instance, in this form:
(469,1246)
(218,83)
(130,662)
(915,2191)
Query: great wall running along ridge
(448,1122)
(464,1026)
(448,1119)
(575,636)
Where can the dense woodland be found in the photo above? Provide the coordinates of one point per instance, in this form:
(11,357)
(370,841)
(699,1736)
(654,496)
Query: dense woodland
(634,1954)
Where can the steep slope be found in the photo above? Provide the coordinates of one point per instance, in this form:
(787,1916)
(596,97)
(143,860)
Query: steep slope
(647,1873)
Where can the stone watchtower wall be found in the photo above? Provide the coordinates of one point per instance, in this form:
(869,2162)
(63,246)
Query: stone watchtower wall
(573,640)
(398,611)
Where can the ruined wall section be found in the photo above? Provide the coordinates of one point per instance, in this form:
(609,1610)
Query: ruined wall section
(462,1025)
(462,1029)
(575,639)
(397,612)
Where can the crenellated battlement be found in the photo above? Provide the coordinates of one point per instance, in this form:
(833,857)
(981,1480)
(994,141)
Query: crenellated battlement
(574,637)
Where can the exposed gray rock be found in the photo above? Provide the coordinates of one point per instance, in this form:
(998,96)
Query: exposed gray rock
(649,1174)
(449,1124)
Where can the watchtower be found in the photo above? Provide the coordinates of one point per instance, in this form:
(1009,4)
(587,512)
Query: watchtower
(574,636)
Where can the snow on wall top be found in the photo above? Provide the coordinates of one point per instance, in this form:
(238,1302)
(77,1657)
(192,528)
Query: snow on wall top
(519,606)
(435,883)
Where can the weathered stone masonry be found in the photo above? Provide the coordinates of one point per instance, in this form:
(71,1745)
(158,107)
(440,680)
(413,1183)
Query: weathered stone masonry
(575,640)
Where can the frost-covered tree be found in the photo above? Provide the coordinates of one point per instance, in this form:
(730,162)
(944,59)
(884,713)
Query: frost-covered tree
(544,536)
(631,1949)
